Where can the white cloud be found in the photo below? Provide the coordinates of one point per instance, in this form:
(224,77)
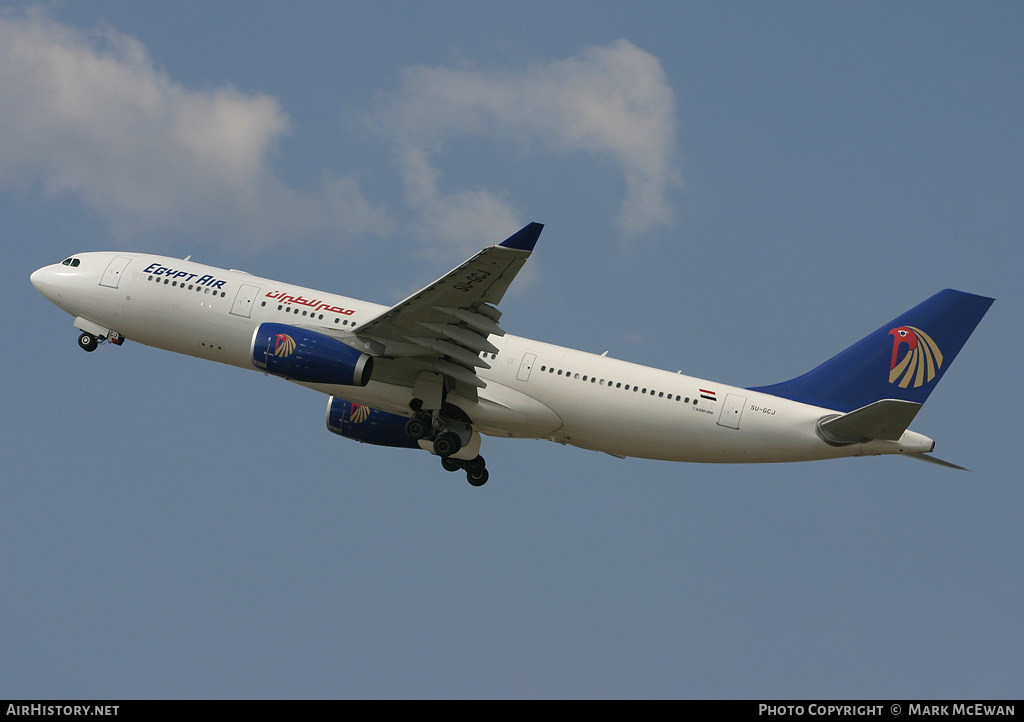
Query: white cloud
(90,115)
(465,220)
(612,101)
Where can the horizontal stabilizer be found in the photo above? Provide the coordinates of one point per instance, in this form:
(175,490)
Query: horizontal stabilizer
(886,419)
(933,460)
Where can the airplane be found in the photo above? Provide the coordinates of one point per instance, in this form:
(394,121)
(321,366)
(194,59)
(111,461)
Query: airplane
(437,372)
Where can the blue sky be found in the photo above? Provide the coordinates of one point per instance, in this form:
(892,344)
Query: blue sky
(735,190)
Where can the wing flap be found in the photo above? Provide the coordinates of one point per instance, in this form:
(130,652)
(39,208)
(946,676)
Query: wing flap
(453,351)
(484,319)
(444,326)
(456,372)
(467,337)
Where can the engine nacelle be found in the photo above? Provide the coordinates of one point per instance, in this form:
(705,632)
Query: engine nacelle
(302,355)
(371,426)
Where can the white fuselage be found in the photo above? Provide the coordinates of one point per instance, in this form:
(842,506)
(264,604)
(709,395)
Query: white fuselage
(533,389)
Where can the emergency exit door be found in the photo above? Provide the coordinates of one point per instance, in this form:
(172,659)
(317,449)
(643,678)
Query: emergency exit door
(732,410)
(244,300)
(112,276)
(526,366)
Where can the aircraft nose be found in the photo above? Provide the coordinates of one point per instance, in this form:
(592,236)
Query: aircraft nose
(43,280)
(38,278)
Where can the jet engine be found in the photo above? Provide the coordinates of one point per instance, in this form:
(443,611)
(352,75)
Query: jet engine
(371,426)
(303,355)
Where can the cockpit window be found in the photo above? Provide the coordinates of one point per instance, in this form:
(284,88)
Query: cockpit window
(73,262)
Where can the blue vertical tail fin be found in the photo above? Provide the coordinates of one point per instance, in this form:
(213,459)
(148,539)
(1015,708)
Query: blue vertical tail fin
(903,359)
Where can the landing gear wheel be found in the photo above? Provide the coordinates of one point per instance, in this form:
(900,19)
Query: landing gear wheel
(417,427)
(88,342)
(450,464)
(476,471)
(447,444)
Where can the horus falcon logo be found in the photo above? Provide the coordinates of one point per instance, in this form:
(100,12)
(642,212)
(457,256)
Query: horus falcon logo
(359,413)
(284,345)
(920,361)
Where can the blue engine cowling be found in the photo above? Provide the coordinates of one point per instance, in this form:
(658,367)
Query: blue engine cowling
(371,426)
(302,355)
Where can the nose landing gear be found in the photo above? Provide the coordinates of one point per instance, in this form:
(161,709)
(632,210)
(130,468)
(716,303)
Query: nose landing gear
(89,341)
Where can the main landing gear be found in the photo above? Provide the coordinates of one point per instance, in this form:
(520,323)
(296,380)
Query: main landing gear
(448,436)
(476,469)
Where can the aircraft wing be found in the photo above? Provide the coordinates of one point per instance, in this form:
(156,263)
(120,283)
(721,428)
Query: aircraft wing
(443,328)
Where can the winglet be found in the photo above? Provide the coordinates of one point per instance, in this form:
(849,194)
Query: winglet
(524,239)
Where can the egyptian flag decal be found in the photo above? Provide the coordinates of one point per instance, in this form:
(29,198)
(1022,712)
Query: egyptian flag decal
(709,395)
